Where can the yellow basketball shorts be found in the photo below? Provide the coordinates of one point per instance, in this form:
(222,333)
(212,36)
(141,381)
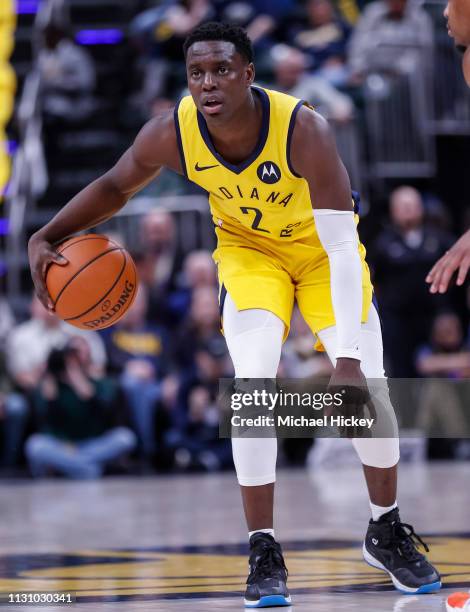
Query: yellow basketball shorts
(274,281)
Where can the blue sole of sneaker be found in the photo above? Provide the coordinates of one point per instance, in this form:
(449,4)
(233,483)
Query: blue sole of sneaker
(269,601)
(432,587)
(429,588)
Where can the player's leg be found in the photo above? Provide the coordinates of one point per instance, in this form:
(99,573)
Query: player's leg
(389,543)
(254,339)
(379,456)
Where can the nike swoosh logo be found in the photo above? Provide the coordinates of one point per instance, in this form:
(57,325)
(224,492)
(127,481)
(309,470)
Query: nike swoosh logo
(199,168)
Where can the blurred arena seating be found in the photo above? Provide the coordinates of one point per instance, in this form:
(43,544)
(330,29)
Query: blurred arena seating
(404,120)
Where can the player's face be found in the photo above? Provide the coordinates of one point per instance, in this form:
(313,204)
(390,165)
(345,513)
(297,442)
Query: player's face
(457,13)
(218,78)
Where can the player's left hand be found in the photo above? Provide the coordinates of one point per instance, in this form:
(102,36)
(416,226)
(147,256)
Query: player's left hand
(348,380)
(457,258)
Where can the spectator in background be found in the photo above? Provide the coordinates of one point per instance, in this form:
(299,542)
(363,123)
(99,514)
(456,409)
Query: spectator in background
(198,271)
(385,30)
(158,262)
(79,433)
(13,419)
(201,356)
(159,33)
(260,18)
(29,344)
(195,434)
(441,409)
(157,240)
(401,256)
(137,354)
(181,17)
(201,325)
(291,77)
(13,406)
(299,357)
(68,76)
(445,356)
(324,40)
(7,321)
(158,310)
(170,307)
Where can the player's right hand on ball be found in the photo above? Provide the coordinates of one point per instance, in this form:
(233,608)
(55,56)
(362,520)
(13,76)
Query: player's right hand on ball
(41,254)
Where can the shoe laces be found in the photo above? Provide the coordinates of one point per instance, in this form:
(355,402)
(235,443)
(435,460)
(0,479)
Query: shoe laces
(407,540)
(265,559)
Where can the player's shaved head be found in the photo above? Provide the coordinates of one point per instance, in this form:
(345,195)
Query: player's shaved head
(222,32)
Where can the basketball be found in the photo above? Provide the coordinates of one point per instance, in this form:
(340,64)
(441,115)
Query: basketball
(97,286)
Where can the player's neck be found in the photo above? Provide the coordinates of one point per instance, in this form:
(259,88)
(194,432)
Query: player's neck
(466,65)
(237,136)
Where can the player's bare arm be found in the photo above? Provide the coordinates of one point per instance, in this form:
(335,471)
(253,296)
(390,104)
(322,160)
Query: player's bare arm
(314,157)
(154,147)
(457,259)
(457,14)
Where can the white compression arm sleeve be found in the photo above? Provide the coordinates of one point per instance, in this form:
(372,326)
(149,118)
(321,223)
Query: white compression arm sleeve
(338,235)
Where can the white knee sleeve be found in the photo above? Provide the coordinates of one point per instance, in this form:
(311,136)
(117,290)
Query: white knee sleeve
(377,452)
(254,340)
(374,452)
(255,460)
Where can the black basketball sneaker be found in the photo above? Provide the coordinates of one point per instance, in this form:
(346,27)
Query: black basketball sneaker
(391,546)
(268,574)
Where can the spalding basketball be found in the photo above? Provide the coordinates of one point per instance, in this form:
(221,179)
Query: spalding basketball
(97,286)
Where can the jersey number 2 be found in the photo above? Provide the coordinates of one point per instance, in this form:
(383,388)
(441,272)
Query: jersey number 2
(257,220)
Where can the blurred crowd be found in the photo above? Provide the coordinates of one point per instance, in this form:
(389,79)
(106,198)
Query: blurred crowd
(141,395)
(319,50)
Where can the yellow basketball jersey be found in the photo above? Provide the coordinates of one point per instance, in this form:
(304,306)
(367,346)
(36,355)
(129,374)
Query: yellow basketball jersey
(268,251)
(262,197)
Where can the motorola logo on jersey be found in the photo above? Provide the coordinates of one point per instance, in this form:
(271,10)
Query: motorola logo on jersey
(269,172)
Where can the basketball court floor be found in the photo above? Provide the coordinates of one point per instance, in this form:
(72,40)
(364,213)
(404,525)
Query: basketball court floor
(179,543)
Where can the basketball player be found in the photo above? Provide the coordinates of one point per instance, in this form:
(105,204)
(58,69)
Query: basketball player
(457,13)
(281,204)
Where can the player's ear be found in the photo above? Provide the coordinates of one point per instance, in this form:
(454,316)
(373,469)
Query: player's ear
(250,74)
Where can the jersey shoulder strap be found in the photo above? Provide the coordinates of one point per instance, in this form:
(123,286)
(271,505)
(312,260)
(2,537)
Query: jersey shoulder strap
(283,114)
(186,126)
